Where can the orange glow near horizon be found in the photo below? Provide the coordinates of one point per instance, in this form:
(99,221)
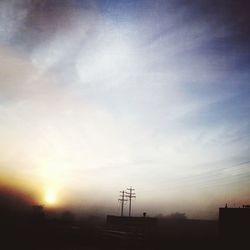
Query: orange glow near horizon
(31,191)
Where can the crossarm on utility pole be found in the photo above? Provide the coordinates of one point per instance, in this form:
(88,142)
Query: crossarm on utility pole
(122,200)
(130,194)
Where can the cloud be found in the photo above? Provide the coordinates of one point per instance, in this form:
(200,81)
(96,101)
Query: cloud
(13,14)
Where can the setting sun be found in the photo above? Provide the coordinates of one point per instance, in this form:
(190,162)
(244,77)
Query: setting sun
(50,198)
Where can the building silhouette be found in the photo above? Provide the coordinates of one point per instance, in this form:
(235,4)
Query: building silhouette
(128,227)
(234,223)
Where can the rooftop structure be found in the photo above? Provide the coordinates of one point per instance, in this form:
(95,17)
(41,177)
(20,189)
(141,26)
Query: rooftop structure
(234,223)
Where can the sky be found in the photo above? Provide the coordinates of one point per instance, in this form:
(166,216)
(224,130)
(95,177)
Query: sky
(98,96)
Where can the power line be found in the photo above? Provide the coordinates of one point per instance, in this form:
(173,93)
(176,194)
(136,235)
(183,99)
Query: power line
(122,200)
(130,194)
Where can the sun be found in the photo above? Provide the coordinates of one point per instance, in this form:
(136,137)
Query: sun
(50,198)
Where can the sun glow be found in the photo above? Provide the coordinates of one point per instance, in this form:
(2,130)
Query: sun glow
(50,198)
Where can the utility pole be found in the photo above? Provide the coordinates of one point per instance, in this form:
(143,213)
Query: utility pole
(130,194)
(122,200)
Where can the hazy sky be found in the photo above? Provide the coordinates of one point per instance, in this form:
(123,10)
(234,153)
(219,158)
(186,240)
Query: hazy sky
(98,96)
